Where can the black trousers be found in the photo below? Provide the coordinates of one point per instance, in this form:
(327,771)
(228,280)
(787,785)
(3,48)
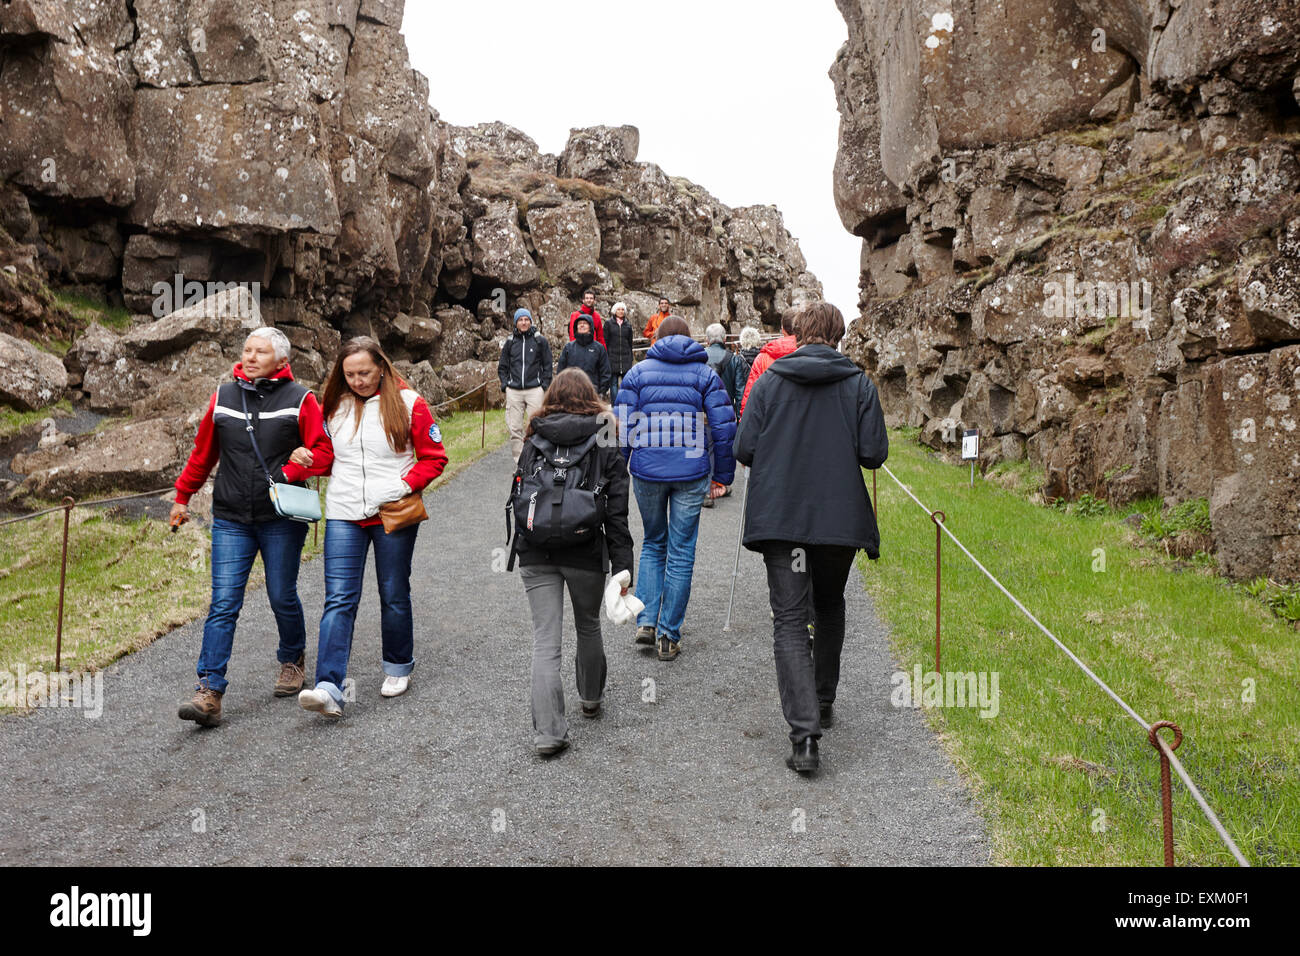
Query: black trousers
(806,583)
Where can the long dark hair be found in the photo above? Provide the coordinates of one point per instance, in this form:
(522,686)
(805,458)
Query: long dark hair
(570,392)
(392,410)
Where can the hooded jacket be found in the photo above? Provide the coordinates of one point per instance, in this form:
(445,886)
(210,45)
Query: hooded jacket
(597,323)
(769,353)
(676,422)
(812,424)
(367,472)
(591,358)
(567,429)
(525,361)
(284,416)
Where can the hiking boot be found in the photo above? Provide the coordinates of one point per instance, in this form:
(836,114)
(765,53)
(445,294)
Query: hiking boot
(590,710)
(204,707)
(826,714)
(645,635)
(550,750)
(804,757)
(291,677)
(668,649)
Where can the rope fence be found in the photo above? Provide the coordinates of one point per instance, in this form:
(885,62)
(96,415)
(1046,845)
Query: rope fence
(1166,752)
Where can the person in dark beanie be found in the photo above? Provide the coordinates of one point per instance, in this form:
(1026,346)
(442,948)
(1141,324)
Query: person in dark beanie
(812,422)
(525,373)
(619,336)
(585,353)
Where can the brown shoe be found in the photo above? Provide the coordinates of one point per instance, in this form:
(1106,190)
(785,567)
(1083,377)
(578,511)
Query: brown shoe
(204,709)
(291,677)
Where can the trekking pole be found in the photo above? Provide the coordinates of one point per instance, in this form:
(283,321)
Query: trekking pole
(744,500)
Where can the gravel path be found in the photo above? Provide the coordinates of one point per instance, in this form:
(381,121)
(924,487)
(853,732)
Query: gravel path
(446,774)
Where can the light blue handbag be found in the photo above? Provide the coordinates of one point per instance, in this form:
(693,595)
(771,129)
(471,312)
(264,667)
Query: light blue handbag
(290,501)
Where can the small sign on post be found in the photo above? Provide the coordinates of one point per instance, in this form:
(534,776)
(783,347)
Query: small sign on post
(970,450)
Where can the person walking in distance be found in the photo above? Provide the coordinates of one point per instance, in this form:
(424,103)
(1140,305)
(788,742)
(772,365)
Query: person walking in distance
(524,370)
(588,355)
(652,326)
(750,342)
(676,426)
(387,448)
(733,374)
(265,401)
(566,432)
(619,336)
(813,422)
(770,352)
(588,308)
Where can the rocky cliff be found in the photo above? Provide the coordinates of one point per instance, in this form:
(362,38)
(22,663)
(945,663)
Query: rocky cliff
(1081,235)
(281,160)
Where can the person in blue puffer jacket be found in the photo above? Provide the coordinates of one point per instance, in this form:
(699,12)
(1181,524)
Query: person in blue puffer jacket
(676,425)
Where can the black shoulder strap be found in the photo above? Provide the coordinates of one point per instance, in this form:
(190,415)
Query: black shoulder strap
(249,422)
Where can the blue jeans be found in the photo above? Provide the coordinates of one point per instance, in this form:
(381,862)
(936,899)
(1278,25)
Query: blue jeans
(346,546)
(234,546)
(670,514)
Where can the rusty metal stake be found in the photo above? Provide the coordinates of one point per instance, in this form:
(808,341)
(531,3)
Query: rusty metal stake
(315,525)
(63,581)
(483,436)
(1166,805)
(875,512)
(937,517)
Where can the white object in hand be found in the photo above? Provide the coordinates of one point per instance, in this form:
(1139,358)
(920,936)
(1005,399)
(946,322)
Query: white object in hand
(619,607)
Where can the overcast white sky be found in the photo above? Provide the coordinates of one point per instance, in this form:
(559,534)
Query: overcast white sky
(732,94)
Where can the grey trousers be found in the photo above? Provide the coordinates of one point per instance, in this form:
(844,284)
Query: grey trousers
(544,584)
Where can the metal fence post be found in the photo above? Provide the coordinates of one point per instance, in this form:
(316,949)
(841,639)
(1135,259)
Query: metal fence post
(1166,798)
(63,582)
(937,517)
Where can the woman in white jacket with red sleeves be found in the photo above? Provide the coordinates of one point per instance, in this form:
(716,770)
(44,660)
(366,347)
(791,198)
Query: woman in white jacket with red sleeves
(386,446)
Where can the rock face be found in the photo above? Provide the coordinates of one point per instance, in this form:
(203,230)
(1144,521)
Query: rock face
(1081,234)
(288,150)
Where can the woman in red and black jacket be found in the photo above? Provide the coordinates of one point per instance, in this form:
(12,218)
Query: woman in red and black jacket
(263,400)
(386,446)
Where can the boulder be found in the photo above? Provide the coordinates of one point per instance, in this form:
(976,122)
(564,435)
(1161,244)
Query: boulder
(135,456)
(29,377)
(466,376)
(227,315)
(567,238)
(500,254)
(598,153)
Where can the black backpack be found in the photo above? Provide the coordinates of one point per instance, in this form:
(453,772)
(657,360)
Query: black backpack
(552,499)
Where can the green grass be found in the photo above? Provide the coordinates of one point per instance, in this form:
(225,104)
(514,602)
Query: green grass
(131,581)
(1173,640)
(86,310)
(13,421)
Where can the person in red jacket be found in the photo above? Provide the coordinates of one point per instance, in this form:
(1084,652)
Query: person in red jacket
(387,447)
(777,348)
(589,310)
(265,401)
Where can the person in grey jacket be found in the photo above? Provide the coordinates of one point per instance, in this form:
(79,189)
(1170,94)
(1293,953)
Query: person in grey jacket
(525,373)
(812,423)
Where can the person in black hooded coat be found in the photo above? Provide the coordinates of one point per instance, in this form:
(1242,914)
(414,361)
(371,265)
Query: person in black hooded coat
(588,355)
(811,424)
(570,414)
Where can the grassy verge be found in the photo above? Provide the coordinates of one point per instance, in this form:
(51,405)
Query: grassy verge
(13,421)
(1062,774)
(132,581)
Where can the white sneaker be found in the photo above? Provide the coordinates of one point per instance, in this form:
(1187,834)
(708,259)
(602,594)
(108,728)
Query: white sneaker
(395,686)
(320,701)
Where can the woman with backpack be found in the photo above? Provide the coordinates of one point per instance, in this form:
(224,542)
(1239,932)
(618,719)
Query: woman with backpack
(387,447)
(569,503)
